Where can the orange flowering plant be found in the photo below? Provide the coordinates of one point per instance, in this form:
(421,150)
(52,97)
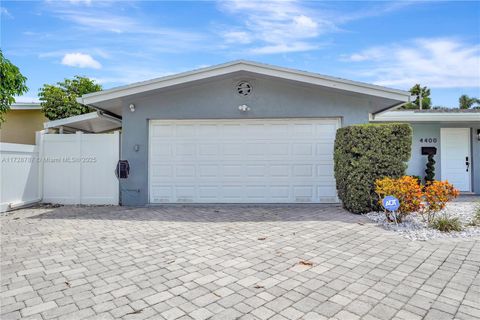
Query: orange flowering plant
(406,189)
(413,197)
(437,194)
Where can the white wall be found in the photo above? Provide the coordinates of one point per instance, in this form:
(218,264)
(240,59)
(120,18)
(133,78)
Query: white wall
(80,168)
(19,175)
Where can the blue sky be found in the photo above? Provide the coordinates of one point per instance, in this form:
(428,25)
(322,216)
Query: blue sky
(395,44)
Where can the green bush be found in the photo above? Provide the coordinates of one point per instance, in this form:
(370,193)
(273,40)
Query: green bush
(447,224)
(365,153)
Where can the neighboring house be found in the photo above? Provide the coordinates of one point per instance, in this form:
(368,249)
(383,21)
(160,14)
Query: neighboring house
(455,135)
(237,132)
(21,123)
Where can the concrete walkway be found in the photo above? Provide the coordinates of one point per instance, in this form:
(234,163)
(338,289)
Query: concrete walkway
(228,262)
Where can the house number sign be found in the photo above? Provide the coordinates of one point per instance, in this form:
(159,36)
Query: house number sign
(428,140)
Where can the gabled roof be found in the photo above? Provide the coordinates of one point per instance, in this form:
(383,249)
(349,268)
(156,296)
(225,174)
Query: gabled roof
(246,66)
(439,115)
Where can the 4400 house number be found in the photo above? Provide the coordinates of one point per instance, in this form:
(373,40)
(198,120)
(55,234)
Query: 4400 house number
(428,140)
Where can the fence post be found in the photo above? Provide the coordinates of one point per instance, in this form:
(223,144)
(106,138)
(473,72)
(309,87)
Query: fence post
(39,139)
(79,136)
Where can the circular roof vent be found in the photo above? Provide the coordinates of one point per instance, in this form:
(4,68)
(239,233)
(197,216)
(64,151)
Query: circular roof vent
(244,88)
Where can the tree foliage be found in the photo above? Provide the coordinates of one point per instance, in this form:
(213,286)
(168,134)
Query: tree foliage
(418,91)
(466,102)
(59,101)
(12,83)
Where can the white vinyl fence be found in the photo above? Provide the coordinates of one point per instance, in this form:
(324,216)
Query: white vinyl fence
(80,168)
(19,175)
(61,168)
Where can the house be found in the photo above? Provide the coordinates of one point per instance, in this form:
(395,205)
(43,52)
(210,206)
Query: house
(236,132)
(21,123)
(452,134)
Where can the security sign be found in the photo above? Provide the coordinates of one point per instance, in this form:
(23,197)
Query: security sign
(391,203)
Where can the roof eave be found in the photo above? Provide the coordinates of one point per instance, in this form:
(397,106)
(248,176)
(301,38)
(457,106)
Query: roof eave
(410,116)
(267,70)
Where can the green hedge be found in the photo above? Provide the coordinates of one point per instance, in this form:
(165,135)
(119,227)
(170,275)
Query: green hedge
(364,153)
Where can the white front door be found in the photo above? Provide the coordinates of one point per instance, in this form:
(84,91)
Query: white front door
(456,160)
(235,161)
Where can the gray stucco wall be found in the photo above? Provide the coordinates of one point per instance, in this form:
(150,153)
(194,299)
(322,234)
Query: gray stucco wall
(218,100)
(417,163)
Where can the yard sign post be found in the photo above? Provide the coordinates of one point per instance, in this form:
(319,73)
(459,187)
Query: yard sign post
(390,203)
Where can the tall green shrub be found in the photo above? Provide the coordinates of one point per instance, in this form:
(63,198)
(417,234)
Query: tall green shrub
(365,153)
(430,171)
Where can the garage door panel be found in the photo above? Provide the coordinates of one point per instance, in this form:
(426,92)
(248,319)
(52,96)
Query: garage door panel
(279,171)
(303,170)
(303,193)
(302,149)
(242,161)
(255,171)
(208,193)
(161,150)
(280,193)
(185,171)
(185,149)
(162,171)
(208,171)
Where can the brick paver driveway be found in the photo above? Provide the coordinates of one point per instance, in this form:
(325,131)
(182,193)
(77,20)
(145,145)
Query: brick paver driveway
(228,262)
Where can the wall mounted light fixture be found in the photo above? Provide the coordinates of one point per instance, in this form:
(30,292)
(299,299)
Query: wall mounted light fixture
(132,107)
(244,108)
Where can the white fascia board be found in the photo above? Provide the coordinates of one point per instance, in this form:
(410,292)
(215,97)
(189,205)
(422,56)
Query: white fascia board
(69,120)
(411,116)
(273,71)
(25,106)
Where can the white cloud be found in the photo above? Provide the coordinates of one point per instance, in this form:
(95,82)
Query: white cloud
(274,26)
(437,63)
(80,60)
(99,21)
(291,47)
(281,26)
(5,12)
(87,2)
(241,37)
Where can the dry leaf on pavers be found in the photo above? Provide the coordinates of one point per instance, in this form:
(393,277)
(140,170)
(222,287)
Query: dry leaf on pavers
(135,311)
(257,286)
(216,294)
(170,261)
(262,238)
(361,223)
(68,284)
(306,263)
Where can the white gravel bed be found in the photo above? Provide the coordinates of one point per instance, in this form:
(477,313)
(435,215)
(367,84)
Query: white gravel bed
(414,228)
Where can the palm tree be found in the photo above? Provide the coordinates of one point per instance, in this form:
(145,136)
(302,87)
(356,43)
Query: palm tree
(466,102)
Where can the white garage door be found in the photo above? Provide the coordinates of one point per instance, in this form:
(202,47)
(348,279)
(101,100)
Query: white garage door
(242,161)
